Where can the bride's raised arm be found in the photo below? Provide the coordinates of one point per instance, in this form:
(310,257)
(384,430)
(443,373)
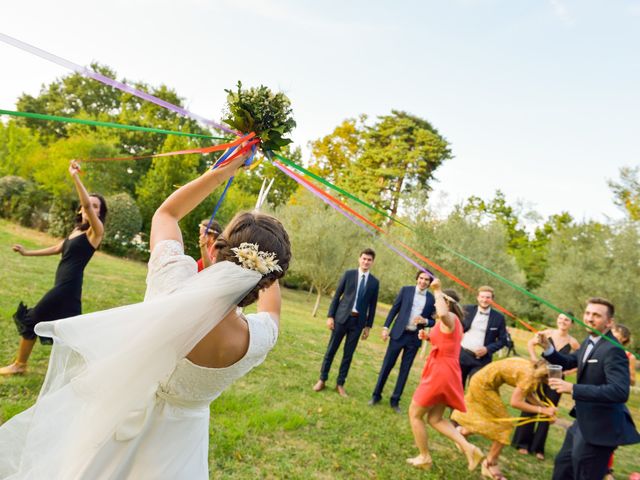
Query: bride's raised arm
(164,225)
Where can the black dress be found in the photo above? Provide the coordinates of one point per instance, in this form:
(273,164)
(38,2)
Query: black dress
(533,436)
(64,299)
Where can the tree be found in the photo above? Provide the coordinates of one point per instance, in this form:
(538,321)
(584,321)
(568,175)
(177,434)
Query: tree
(530,251)
(486,244)
(69,96)
(627,191)
(334,154)
(401,153)
(16,144)
(322,241)
(591,259)
(283,187)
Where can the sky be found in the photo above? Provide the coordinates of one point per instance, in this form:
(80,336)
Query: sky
(539,98)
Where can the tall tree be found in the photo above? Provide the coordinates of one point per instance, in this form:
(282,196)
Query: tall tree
(401,153)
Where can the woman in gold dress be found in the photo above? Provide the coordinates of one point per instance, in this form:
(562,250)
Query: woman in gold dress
(487,415)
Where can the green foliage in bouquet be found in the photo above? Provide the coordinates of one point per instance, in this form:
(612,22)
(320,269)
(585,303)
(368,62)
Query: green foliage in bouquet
(260,110)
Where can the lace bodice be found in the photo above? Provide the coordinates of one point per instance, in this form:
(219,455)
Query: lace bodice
(191,385)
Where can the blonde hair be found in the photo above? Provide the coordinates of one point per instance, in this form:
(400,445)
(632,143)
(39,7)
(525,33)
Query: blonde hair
(487,288)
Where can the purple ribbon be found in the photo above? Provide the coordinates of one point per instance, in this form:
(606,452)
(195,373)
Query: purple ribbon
(355,220)
(109,81)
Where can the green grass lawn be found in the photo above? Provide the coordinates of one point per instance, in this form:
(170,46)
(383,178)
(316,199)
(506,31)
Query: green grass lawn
(271,424)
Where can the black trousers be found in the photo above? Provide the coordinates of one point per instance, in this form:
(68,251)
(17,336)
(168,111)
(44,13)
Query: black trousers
(350,331)
(580,460)
(533,436)
(408,344)
(469,364)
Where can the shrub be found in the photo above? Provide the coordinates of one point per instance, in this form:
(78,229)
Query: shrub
(23,201)
(122,232)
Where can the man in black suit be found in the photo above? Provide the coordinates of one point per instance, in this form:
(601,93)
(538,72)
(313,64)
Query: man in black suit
(603,422)
(350,315)
(485,334)
(414,306)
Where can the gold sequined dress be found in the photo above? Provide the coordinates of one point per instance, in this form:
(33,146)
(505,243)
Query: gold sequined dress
(483,401)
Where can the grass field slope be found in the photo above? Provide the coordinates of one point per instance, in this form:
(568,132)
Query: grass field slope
(271,424)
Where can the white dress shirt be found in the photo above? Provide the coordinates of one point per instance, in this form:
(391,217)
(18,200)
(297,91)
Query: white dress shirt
(419,301)
(474,337)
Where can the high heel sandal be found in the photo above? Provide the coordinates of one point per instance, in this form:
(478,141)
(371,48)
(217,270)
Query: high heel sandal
(487,472)
(419,462)
(476,458)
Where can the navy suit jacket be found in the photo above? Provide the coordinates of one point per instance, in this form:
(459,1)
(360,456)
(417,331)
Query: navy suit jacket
(345,298)
(600,393)
(401,311)
(496,335)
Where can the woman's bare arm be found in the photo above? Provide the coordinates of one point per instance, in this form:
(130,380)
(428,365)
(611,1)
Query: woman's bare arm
(96,228)
(53,250)
(446,318)
(164,225)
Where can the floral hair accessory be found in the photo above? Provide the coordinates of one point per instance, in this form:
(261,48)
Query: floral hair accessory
(252,258)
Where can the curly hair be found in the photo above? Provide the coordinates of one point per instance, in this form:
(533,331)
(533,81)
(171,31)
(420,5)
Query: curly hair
(270,236)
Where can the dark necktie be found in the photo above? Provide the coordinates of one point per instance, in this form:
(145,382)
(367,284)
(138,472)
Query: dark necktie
(360,298)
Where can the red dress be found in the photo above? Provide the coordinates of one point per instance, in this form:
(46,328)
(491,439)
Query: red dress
(441,378)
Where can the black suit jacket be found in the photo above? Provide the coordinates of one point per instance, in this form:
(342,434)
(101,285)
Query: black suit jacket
(402,309)
(496,335)
(345,298)
(600,393)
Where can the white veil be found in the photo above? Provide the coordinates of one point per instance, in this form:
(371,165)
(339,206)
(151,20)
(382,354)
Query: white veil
(107,364)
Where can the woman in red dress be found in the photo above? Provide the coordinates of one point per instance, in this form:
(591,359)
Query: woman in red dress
(440,385)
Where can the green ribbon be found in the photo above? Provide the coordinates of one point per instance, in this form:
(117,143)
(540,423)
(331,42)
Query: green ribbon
(338,189)
(459,255)
(95,123)
(326,183)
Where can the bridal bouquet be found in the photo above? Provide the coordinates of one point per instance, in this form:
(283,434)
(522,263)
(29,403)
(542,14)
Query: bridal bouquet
(261,111)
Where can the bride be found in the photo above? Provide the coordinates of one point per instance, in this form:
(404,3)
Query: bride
(127,392)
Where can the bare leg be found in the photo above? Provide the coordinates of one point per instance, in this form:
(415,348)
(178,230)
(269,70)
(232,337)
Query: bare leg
(419,429)
(20,364)
(444,426)
(494,452)
(24,350)
(490,465)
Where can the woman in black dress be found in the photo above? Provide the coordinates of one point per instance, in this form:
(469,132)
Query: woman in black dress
(64,299)
(531,437)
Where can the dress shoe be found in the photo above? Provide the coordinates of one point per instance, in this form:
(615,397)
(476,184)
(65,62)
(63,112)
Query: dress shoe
(341,391)
(396,408)
(373,402)
(318,386)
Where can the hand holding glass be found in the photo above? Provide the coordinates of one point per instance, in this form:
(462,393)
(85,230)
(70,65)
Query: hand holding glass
(555,371)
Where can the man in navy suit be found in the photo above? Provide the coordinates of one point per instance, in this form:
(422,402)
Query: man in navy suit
(414,306)
(350,316)
(485,333)
(603,422)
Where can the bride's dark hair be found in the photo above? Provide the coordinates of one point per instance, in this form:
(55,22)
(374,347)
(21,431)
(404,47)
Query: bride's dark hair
(265,231)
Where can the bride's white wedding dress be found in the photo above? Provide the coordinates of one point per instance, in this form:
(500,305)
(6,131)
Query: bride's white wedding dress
(161,429)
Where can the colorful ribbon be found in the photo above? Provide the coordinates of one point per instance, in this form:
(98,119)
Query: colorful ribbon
(95,123)
(213,148)
(109,81)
